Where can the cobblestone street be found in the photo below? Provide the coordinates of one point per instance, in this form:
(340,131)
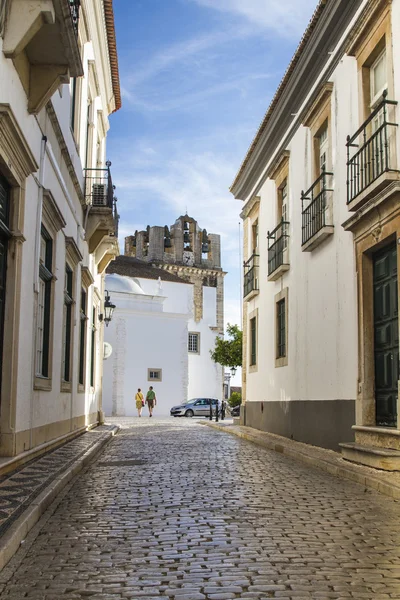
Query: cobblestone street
(173,509)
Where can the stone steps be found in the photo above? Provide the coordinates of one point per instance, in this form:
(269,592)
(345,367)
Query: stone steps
(386,459)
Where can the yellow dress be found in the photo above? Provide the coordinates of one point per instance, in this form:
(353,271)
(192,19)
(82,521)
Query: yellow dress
(139,398)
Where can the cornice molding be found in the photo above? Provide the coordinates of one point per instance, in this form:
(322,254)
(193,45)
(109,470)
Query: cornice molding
(86,276)
(249,207)
(318,103)
(72,251)
(280,162)
(14,147)
(64,151)
(367,19)
(52,215)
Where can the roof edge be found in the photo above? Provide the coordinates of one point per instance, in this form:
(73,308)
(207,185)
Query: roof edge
(279,92)
(112,51)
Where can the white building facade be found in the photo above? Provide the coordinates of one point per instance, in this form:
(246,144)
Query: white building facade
(320,186)
(167,319)
(59,84)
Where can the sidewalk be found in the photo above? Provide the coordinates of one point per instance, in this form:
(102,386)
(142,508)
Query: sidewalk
(27,491)
(385,482)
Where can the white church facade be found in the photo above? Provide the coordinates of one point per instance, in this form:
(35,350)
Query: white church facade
(169,311)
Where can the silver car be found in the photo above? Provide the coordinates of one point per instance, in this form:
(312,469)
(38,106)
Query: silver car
(196,407)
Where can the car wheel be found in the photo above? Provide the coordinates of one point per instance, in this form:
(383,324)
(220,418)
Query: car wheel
(189,413)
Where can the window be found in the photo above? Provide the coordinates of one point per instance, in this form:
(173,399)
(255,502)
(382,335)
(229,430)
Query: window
(44,305)
(255,237)
(194,343)
(73,85)
(93,349)
(281,328)
(283,212)
(316,201)
(253,341)
(323,148)
(154,374)
(82,337)
(378,79)
(67,323)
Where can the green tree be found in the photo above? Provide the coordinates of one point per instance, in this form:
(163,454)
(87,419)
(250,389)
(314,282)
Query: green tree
(235,399)
(228,353)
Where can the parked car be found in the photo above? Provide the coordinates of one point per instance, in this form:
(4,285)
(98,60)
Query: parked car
(235,411)
(196,407)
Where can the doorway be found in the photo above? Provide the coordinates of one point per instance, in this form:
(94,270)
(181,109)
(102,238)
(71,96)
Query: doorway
(386,335)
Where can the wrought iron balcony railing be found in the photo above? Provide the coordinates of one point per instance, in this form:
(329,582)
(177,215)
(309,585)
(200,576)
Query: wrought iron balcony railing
(74,6)
(314,207)
(278,240)
(250,280)
(370,151)
(99,190)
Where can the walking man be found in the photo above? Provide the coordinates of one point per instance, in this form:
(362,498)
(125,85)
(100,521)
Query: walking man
(151,400)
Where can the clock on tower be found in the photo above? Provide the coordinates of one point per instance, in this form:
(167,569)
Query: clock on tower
(188,258)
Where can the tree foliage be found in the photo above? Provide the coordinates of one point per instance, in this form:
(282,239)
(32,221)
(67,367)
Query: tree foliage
(235,399)
(228,353)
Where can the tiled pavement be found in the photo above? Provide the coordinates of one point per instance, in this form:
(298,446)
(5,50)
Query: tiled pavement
(20,487)
(172,510)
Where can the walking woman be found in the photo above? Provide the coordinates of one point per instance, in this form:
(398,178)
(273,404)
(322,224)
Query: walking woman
(139,398)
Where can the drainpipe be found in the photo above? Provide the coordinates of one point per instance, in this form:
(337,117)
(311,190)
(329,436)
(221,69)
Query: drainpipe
(38,235)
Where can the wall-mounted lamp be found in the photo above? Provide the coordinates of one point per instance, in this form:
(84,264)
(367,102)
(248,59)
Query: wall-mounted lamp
(108,310)
(233,371)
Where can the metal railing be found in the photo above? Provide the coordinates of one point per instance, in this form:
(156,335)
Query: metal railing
(373,154)
(250,278)
(74,6)
(314,206)
(99,190)
(277,244)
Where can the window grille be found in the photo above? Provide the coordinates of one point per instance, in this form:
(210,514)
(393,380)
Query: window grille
(194,343)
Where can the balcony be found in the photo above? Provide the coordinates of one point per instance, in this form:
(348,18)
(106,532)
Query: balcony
(43,43)
(278,251)
(371,155)
(316,213)
(102,215)
(250,279)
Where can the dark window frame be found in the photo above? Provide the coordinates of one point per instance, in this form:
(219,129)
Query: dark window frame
(253,341)
(93,348)
(46,275)
(68,304)
(82,336)
(281,328)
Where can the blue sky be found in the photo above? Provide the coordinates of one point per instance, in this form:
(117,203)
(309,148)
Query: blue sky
(197,77)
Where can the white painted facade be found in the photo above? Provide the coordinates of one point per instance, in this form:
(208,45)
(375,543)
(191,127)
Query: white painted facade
(42,161)
(149,330)
(317,381)
(322,334)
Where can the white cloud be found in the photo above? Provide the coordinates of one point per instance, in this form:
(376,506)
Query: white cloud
(183,51)
(287,19)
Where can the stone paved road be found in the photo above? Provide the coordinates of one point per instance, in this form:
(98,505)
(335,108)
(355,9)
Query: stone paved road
(207,516)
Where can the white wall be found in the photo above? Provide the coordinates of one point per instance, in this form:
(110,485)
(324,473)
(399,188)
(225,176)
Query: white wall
(205,376)
(322,323)
(36,408)
(150,330)
(145,335)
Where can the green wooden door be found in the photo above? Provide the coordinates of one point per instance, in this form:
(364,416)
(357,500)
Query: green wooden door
(386,336)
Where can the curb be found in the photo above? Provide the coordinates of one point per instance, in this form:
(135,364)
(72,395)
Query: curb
(12,539)
(334,466)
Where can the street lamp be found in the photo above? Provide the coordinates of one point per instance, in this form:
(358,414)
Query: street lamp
(233,371)
(108,310)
